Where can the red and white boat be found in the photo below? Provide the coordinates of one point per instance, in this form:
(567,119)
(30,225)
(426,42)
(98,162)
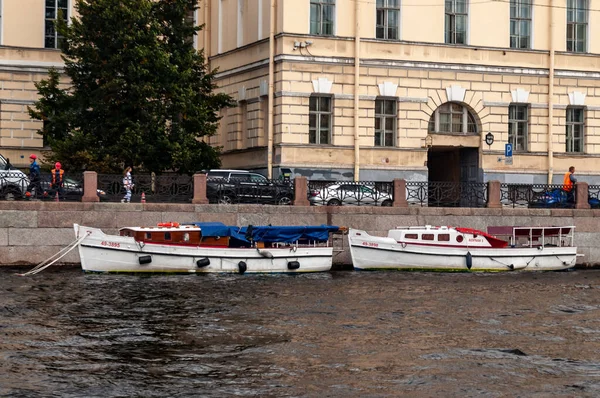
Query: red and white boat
(463,249)
(206,247)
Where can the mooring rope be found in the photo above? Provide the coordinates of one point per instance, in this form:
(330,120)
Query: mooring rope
(51,260)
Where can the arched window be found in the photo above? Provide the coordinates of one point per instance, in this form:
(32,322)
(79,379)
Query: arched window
(452,118)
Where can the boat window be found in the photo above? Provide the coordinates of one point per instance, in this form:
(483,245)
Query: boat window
(427,237)
(148,235)
(444,237)
(459,238)
(167,236)
(411,236)
(186,237)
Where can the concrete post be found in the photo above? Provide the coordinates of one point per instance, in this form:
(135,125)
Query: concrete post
(494,195)
(400,193)
(200,190)
(582,195)
(301,191)
(90,187)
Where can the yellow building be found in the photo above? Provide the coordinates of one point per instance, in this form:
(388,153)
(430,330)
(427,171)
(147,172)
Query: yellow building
(435,77)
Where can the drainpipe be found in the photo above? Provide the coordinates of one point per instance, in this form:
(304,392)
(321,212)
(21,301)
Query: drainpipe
(270,102)
(551,95)
(356,91)
(207,31)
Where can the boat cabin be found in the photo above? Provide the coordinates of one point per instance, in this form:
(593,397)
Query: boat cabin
(173,233)
(445,236)
(535,236)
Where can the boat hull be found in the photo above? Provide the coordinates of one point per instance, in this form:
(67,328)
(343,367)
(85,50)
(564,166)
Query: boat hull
(373,253)
(100,252)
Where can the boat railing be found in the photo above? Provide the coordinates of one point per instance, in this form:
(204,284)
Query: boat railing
(534,236)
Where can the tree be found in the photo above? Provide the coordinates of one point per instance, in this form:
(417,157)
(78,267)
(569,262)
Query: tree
(139,93)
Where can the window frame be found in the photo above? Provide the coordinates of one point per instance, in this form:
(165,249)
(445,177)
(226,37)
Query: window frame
(386,9)
(518,19)
(569,126)
(468,122)
(320,6)
(513,123)
(574,24)
(383,117)
(318,113)
(56,37)
(450,32)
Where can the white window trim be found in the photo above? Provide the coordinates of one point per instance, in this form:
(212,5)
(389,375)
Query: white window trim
(44,21)
(335,19)
(240,23)
(399,22)
(196,19)
(1,21)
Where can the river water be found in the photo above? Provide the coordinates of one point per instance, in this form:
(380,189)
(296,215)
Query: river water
(340,334)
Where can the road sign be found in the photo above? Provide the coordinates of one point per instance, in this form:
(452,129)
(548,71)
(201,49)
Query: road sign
(508,148)
(508,160)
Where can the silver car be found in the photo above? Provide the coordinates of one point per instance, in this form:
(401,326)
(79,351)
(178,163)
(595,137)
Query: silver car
(349,194)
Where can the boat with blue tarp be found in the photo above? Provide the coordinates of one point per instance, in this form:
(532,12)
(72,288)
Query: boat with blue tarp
(201,247)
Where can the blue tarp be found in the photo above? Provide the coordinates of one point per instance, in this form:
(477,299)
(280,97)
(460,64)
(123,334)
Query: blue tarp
(268,234)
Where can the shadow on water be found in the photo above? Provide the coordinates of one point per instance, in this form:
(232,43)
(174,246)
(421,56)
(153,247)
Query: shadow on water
(346,334)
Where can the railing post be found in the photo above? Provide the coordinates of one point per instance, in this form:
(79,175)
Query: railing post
(301,191)
(400,193)
(581,197)
(90,187)
(200,190)
(494,195)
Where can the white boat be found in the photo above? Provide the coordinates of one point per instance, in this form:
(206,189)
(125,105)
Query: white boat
(206,247)
(463,249)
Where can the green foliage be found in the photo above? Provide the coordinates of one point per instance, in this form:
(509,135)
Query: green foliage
(140,93)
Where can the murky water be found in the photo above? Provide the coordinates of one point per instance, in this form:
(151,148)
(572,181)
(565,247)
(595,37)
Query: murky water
(342,334)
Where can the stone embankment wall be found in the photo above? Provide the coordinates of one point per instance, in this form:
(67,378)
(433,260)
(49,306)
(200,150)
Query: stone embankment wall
(30,232)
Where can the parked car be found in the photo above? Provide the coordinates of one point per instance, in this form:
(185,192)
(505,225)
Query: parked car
(240,186)
(13,182)
(556,197)
(72,190)
(349,194)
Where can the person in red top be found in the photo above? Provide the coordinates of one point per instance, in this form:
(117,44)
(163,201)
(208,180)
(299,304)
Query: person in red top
(58,179)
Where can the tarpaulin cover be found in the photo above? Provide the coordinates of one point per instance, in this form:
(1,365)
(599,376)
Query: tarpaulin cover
(268,234)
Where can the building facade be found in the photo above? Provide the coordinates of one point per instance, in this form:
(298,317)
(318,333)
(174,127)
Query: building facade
(434,79)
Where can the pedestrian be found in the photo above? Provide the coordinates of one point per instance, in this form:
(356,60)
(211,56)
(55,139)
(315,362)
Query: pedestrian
(127,184)
(8,165)
(57,179)
(568,182)
(34,177)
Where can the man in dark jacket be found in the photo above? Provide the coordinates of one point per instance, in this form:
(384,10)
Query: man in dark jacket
(34,177)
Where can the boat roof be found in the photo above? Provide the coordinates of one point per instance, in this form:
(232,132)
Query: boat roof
(265,233)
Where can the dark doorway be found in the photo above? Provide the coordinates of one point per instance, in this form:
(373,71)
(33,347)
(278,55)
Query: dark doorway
(452,176)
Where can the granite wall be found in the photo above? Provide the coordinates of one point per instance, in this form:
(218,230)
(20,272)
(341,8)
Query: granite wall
(30,232)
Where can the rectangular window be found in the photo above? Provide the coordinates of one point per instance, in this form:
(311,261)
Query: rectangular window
(427,237)
(575,129)
(388,19)
(411,236)
(520,23)
(456,21)
(319,120)
(321,17)
(577,20)
(54,9)
(444,237)
(385,122)
(518,126)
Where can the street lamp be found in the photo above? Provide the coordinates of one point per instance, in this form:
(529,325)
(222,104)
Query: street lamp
(489,139)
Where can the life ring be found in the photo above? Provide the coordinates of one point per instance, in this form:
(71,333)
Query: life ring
(168,224)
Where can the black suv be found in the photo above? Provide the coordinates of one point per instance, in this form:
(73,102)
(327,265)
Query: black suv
(241,186)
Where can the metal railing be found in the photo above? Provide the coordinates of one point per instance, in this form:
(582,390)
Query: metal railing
(594,196)
(241,190)
(446,194)
(356,193)
(16,185)
(537,196)
(167,188)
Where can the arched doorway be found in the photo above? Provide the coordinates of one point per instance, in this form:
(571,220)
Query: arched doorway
(454,155)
